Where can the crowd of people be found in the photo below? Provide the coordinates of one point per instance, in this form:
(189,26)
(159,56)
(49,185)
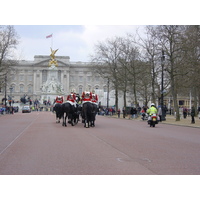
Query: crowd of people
(87,96)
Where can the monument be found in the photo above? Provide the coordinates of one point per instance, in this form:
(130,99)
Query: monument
(52,87)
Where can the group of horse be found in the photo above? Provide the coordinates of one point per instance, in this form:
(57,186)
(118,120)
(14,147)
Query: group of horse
(87,111)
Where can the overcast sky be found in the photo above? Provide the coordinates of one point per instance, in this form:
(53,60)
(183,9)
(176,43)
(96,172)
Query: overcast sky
(76,41)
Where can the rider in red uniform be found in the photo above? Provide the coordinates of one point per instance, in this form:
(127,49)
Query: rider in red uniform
(59,99)
(71,97)
(86,96)
(94,98)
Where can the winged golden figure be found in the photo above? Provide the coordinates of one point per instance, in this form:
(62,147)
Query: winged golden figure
(53,52)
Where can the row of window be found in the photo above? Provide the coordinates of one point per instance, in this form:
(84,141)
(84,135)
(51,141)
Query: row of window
(22,77)
(81,78)
(21,89)
(89,88)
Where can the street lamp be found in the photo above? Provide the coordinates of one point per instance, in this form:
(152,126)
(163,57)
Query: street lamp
(11,89)
(162,87)
(5,97)
(108,93)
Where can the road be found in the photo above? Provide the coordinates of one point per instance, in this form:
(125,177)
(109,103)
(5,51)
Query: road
(33,144)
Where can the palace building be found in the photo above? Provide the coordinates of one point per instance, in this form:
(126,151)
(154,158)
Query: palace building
(37,80)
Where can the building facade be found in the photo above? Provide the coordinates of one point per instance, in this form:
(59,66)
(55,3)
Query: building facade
(37,80)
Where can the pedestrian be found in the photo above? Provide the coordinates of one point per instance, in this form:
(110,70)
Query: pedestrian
(124,112)
(118,112)
(184,112)
(160,113)
(132,112)
(192,115)
(181,111)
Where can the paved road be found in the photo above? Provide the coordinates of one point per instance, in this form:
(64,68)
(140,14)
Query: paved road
(33,143)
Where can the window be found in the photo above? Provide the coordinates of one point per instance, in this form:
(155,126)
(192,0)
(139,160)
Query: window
(21,88)
(13,77)
(30,78)
(181,103)
(88,78)
(21,77)
(44,76)
(30,89)
(13,88)
(96,87)
(80,90)
(72,78)
(97,78)
(81,78)
(59,75)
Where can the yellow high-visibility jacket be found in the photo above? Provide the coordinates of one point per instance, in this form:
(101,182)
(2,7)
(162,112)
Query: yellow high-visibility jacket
(152,110)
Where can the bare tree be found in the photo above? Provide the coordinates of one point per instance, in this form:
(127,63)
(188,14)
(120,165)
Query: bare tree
(107,54)
(171,42)
(191,44)
(8,41)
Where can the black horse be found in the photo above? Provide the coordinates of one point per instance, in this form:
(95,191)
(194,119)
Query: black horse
(68,111)
(58,109)
(87,114)
(94,112)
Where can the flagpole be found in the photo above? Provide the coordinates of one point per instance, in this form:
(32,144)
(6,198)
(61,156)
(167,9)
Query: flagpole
(52,41)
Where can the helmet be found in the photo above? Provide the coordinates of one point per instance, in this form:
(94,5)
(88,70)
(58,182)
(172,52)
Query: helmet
(152,104)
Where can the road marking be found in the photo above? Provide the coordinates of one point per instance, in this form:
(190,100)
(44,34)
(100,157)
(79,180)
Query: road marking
(146,159)
(18,135)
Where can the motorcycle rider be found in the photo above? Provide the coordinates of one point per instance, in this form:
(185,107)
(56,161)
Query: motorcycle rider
(152,110)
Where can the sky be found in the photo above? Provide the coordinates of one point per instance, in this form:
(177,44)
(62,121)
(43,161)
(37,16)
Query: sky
(75,41)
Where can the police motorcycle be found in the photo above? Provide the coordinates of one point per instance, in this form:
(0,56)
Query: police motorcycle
(153,119)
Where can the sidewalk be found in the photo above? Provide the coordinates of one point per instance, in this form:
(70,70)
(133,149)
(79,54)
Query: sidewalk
(183,122)
(170,119)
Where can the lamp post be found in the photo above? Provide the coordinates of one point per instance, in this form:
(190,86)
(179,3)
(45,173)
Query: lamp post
(108,93)
(5,90)
(11,89)
(162,87)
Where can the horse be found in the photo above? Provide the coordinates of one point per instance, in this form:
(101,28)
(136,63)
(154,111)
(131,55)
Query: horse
(94,112)
(58,109)
(68,111)
(87,114)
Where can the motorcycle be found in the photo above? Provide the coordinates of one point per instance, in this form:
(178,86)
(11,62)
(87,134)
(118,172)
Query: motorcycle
(144,116)
(153,120)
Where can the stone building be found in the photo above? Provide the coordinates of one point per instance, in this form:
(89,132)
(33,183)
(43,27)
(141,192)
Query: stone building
(37,80)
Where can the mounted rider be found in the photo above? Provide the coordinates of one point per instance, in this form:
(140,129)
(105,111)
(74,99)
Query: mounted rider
(71,98)
(59,99)
(86,96)
(94,98)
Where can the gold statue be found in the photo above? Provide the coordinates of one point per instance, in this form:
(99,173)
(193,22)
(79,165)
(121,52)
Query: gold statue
(53,61)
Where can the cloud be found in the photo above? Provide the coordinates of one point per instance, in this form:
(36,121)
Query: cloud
(74,41)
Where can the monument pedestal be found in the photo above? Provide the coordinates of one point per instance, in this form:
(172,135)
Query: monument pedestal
(52,87)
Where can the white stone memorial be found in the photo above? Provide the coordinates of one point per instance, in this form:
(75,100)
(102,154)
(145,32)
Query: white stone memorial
(52,87)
